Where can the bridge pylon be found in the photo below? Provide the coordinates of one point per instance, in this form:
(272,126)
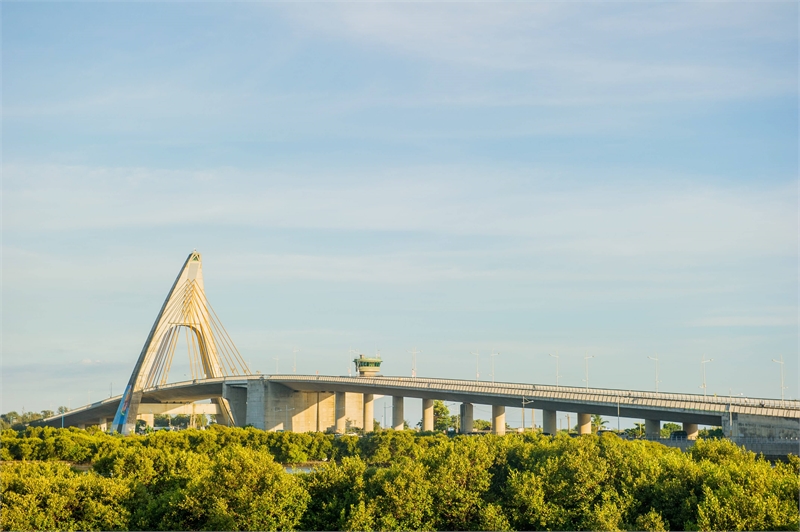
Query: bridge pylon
(211,351)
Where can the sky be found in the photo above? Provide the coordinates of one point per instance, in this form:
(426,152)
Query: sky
(616,180)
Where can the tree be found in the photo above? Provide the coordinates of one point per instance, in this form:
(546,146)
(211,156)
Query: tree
(598,423)
(481,424)
(62,410)
(636,432)
(243,490)
(441,416)
(669,428)
(714,433)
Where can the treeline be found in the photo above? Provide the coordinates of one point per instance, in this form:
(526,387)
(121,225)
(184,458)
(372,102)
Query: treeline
(232,479)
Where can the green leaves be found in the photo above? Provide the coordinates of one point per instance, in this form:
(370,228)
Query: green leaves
(232,479)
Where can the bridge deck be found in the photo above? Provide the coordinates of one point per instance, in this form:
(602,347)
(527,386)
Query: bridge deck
(687,408)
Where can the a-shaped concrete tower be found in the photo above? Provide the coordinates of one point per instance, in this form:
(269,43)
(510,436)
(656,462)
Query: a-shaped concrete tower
(211,351)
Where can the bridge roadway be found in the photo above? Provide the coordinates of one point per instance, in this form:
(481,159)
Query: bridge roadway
(682,408)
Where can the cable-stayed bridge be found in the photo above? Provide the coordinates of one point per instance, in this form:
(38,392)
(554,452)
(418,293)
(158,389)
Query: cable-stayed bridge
(330,403)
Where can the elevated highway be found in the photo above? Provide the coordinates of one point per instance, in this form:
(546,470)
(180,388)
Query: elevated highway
(689,409)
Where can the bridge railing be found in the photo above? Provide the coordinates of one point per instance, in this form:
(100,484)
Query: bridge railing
(612,395)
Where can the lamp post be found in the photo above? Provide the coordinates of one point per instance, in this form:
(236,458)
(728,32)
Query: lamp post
(477,361)
(491,357)
(556,357)
(782,386)
(414,352)
(586,361)
(656,360)
(703,362)
(525,402)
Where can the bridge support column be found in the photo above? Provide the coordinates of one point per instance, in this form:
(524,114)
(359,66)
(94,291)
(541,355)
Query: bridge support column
(397,413)
(237,400)
(427,414)
(498,419)
(652,429)
(369,412)
(549,424)
(102,424)
(149,419)
(691,430)
(341,412)
(584,423)
(466,418)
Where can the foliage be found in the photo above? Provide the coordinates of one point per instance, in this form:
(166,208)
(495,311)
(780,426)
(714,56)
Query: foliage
(669,428)
(598,423)
(441,416)
(232,479)
(481,424)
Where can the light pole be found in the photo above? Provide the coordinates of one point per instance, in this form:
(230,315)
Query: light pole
(656,359)
(525,402)
(782,386)
(477,361)
(491,356)
(294,359)
(703,362)
(414,352)
(276,359)
(556,357)
(586,361)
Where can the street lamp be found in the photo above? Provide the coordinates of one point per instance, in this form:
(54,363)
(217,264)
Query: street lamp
(525,402)
(656,359)
(703,362)
(477,361)
(414,352)
(782,386)
(556,357)
(491,356)
(586,361)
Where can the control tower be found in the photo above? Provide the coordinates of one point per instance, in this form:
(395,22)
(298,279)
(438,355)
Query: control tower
(367,366)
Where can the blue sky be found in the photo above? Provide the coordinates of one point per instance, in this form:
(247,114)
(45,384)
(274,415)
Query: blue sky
(616,180)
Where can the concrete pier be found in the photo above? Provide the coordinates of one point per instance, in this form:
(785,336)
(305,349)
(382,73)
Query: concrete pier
(397,412)
(427,414)
(236,396)
(466,418)
(584,423)
(498,420)
(149,419)
(691,430)
(549,424)
(341,413)
(652,429)
(369,412)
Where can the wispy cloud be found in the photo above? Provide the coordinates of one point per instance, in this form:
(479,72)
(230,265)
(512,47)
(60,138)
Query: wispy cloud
(616,220)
